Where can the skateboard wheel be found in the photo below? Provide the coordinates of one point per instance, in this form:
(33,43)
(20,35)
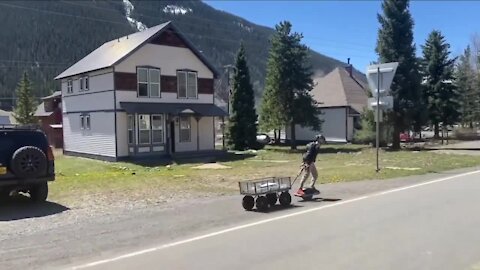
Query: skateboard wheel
(285,199)
(272,199)
(262,203)
(248,203)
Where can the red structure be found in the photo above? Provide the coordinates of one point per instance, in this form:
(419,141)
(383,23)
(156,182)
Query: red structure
(49,114)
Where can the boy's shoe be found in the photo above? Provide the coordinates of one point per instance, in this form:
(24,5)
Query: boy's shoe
(300,192)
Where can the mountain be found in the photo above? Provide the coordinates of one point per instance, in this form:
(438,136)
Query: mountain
(45,37)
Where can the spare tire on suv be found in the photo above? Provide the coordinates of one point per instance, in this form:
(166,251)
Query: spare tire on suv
(29,162)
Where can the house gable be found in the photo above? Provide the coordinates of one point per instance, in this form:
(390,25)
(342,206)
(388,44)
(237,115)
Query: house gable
(169,38)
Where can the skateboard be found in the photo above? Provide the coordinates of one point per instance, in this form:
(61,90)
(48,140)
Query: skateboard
(309,193)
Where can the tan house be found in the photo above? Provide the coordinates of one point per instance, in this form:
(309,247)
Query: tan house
(343,96)
(148,94)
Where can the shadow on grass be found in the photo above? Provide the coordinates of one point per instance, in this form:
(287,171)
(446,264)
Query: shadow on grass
(158,162)
(326,149)
(21,207)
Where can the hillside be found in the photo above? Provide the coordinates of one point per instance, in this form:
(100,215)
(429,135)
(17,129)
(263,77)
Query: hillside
(45,37)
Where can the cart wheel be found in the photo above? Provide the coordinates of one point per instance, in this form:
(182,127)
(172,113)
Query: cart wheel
(272,198)
(248,203)
(262,203)
(285,199)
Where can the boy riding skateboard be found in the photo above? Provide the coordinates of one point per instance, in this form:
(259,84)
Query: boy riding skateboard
(309,159)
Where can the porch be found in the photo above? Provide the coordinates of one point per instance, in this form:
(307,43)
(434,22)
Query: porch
(167,129)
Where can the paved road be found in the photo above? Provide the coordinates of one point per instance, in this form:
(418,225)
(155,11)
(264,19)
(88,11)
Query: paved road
(427,226)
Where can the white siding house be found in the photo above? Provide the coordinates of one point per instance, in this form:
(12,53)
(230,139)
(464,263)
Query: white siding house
(142,95)
(342,98)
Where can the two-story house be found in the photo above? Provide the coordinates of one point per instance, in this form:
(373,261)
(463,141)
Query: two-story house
(150,93)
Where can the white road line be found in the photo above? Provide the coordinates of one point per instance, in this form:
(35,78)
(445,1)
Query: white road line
(248,225)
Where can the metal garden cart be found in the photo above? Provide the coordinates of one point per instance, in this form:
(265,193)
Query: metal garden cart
(265,192)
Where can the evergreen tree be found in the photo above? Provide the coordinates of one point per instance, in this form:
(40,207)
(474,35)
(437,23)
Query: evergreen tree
(468,90)
(26,105)
(395,44)
(287,100)
(242,123)
(440,91)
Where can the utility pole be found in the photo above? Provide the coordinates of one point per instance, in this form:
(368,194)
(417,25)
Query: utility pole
(378,116)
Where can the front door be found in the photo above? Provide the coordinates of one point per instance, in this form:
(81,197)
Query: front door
(172,136)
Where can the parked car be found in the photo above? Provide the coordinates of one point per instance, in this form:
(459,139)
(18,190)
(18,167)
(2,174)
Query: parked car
(26,162)
(263,138)
(405,137)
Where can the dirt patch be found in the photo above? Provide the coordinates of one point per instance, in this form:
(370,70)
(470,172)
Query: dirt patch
(211,166)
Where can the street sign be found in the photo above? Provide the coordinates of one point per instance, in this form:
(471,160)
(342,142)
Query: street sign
(382,84)
(380,78)
(386,103)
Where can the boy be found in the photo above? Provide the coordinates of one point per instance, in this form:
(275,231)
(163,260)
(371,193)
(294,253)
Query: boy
(309,159)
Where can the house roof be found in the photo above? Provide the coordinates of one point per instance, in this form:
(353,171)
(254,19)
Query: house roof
(54,95)
(114,51)
(173,108)
(5,115)
(41,110)
(339,89)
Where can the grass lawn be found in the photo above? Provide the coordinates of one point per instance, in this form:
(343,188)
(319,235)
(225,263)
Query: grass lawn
(78,176)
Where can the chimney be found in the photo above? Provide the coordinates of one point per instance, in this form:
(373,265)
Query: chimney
(349,67)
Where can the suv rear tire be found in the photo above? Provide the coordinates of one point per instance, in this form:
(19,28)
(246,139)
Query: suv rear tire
(39,192)
(29,162)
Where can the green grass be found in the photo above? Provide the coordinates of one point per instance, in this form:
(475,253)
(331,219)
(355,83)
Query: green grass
(335,164)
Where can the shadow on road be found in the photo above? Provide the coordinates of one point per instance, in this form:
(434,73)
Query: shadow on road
(276,208)
(321,200)
(20,207)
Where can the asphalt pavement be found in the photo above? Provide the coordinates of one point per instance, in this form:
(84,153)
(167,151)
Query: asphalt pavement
(432,224)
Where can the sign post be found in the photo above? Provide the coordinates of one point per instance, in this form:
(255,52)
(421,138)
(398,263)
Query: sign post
(380,78)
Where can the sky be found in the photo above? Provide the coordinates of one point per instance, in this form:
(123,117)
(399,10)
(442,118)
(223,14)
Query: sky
(343,29)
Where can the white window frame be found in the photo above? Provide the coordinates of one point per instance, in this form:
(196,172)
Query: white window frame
(182,119)
(69,86)
(149,82)
(162,128)
(84,83)
(131,119)
(149,130)
(187,73)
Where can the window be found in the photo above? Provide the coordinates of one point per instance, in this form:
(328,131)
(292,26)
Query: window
(157,128)
(154,82)
(84,83)
(144,129)
(187,84)
(185,129)
(148,80)
(87,121)
(131,129)
(142,77)
(82,122)
(69,86)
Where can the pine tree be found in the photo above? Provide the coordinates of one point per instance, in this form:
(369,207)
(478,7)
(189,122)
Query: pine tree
(440,91)
(242,123)
(395,44)
(26,105)
(287,100)
(469,94)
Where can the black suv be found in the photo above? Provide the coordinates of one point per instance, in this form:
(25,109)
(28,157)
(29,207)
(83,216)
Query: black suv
(26,162)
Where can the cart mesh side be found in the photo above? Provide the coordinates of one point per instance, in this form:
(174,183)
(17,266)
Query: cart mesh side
(265,185)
